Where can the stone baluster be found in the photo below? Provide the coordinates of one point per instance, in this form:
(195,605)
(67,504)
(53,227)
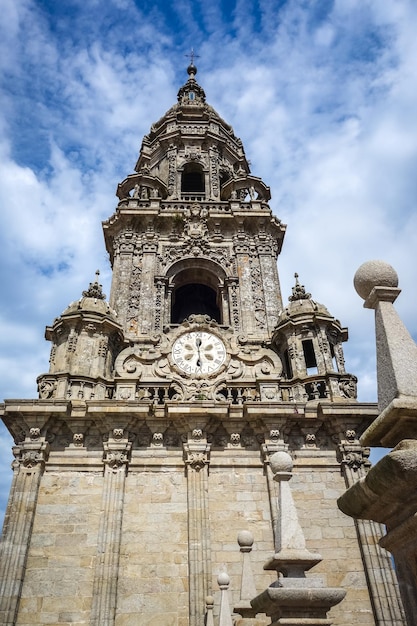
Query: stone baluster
(117,451)
(196,456)
(28,469)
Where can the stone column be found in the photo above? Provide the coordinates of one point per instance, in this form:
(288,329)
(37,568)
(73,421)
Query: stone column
(28,470)
(196,456)
(103,610)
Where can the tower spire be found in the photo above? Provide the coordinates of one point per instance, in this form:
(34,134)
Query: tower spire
(191,69)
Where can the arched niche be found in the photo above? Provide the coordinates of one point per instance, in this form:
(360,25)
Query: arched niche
(196,287)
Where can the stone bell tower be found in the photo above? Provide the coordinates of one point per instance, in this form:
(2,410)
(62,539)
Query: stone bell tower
(153,444)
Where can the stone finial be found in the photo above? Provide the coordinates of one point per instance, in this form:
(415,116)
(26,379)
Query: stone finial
(298,291)
(247,587)
(225,616)
(377,283)
(95,290)
(291,556)
(374,274)
(209,611)
(293,596)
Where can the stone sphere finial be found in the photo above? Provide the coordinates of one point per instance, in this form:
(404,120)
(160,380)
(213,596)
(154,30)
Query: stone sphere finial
(191,70)
(245,539)
(374,274)
(281,462)
(223,579)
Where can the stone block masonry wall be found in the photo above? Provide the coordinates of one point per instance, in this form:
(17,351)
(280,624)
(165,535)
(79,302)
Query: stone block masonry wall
(60,566)
(238,500)
(332,534)
(165,509)
(153,575)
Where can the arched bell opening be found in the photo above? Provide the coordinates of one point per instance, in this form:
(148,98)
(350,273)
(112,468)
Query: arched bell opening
(196,287)
(194,299)
(192,179)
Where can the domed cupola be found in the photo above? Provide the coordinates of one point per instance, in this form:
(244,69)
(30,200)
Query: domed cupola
(309,341)
(191,154)
(86,339)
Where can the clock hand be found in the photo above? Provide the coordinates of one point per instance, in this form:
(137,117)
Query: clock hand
(198,344)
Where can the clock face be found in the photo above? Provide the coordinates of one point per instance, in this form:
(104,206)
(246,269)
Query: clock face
(199,352)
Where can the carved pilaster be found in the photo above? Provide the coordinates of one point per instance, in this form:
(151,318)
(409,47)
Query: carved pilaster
(147,288)
(354,457)
(234,298)
(258,298)
(196,457)
(116,460)
(28,468)
(381,578)
(271,287)
(159,317)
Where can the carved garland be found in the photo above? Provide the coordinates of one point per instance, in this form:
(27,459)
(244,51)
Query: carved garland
(257,293)
(134,298)
(159,300)
(214,162)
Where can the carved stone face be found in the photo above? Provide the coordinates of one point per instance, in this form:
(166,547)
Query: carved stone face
(199,352)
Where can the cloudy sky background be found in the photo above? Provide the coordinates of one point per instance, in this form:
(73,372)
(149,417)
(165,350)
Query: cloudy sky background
(322,93)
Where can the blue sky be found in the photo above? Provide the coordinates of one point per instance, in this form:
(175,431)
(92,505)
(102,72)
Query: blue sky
(322,93)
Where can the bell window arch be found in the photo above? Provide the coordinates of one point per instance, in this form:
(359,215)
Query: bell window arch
(194,298)
(196,287)
(192,179)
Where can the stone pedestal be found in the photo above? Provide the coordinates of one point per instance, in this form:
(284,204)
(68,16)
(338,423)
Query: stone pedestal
(293,599)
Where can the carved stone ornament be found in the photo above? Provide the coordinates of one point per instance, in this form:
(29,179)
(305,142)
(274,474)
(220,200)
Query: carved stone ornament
(348,387)
(274,435)
(354,456)
(157,439)
(46,389)
(31,458)
(116,459)
(350,435)
(117,433)
(78,439)
(35,433)
(126,393)
(355,460)
(197,460)
(235,439)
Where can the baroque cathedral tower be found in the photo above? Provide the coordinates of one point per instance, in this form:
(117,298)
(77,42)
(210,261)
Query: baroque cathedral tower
(182,463)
